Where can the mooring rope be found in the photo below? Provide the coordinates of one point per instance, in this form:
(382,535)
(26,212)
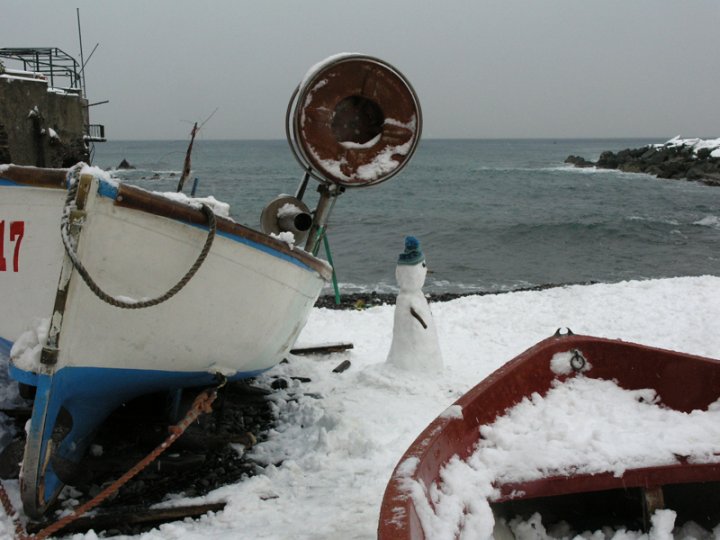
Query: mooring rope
(73,181)
(201,405)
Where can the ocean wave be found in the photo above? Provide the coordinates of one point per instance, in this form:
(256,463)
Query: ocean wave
(362,288)
(568,168)
(646,219)
(708,221)
(594,170)
(431,285)
(486,168)
(132,172)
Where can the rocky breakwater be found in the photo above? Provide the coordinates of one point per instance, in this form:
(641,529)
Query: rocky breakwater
(677,159)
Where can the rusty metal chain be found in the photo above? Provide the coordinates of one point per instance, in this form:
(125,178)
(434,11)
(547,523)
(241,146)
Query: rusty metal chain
(201,405)
(20,533)
(94,287)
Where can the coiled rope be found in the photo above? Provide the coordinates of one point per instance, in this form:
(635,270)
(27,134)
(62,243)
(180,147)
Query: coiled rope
(73,181)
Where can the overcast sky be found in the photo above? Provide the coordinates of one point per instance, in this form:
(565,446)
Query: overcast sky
(481,68)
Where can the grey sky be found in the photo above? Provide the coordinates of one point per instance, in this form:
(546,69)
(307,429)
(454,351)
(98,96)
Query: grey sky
(481,68)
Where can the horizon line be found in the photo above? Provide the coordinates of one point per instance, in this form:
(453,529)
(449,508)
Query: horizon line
(604,138)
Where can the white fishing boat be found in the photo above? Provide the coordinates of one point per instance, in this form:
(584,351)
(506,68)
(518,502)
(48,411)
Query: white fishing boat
(237,316)
(31,204)
(127,292)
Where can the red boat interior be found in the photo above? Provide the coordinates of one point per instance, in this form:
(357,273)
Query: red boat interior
(682,382)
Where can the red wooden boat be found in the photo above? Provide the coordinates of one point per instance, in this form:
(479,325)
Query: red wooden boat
(586,501)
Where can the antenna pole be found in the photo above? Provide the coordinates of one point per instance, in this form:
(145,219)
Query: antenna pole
(82,58)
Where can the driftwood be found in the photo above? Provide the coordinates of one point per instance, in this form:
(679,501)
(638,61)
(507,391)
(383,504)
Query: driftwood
(132,516)
(342,366)
(323,349)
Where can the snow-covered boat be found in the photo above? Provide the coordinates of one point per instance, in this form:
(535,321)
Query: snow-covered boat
(237,316)
(432,494)
(130,292)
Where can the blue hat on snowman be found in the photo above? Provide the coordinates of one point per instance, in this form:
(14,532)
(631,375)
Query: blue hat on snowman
(412,254)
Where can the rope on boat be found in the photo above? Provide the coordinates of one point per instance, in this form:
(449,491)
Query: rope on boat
(73,181)
(201,405)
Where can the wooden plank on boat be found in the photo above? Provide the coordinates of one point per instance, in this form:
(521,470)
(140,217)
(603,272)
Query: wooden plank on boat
(33,176)
(153,203)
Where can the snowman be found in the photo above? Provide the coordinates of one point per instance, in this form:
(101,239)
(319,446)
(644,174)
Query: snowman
(414,343)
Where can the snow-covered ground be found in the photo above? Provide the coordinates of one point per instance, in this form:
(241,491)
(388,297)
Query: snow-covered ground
(336,446)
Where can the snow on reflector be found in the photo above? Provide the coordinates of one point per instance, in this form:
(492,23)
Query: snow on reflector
(354,120)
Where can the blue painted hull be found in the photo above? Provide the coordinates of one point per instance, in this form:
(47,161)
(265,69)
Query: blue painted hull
(5,347)
(89,395)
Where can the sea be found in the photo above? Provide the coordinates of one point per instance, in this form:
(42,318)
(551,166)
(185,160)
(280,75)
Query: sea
(491,215)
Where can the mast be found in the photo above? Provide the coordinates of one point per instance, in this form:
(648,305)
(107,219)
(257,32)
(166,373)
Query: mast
(82,57)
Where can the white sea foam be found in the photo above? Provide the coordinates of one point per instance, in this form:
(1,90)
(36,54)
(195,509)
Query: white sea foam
(709,221)
(651,219)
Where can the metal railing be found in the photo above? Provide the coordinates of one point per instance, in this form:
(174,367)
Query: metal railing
(58,66)
(95,133)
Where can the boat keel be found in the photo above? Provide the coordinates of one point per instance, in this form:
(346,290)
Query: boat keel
(69,406)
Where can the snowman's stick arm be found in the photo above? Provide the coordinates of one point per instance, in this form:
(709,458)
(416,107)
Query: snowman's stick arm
(418,317)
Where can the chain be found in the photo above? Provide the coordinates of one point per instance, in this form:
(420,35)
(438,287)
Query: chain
(20,533)
(94,287)
(201,405)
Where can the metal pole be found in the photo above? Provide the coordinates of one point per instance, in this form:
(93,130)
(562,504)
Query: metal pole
(82,58)
(52,75)
(303,184)
(328,196)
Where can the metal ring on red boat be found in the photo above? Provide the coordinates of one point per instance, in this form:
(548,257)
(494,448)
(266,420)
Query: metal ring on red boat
(577,360)
(356,121)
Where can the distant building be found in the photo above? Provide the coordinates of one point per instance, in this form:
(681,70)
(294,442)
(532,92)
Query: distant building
(44,118)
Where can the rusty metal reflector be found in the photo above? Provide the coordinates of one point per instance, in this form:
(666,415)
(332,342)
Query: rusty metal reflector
(354,120)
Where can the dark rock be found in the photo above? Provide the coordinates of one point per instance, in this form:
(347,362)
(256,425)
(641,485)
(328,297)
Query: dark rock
(669,162)
(608,160)
(711,179)
(125,165)
(674,168)
(579,162)
(648,154)
(374,298)
(10,459)
(631,167)
(655,170)
(658,156)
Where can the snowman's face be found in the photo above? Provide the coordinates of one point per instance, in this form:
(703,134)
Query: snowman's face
(411,276)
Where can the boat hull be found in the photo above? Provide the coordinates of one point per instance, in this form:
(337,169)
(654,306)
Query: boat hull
(32,260)
(237,316)
(682,382)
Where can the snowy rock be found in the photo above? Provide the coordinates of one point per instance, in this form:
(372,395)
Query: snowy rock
(677,159)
